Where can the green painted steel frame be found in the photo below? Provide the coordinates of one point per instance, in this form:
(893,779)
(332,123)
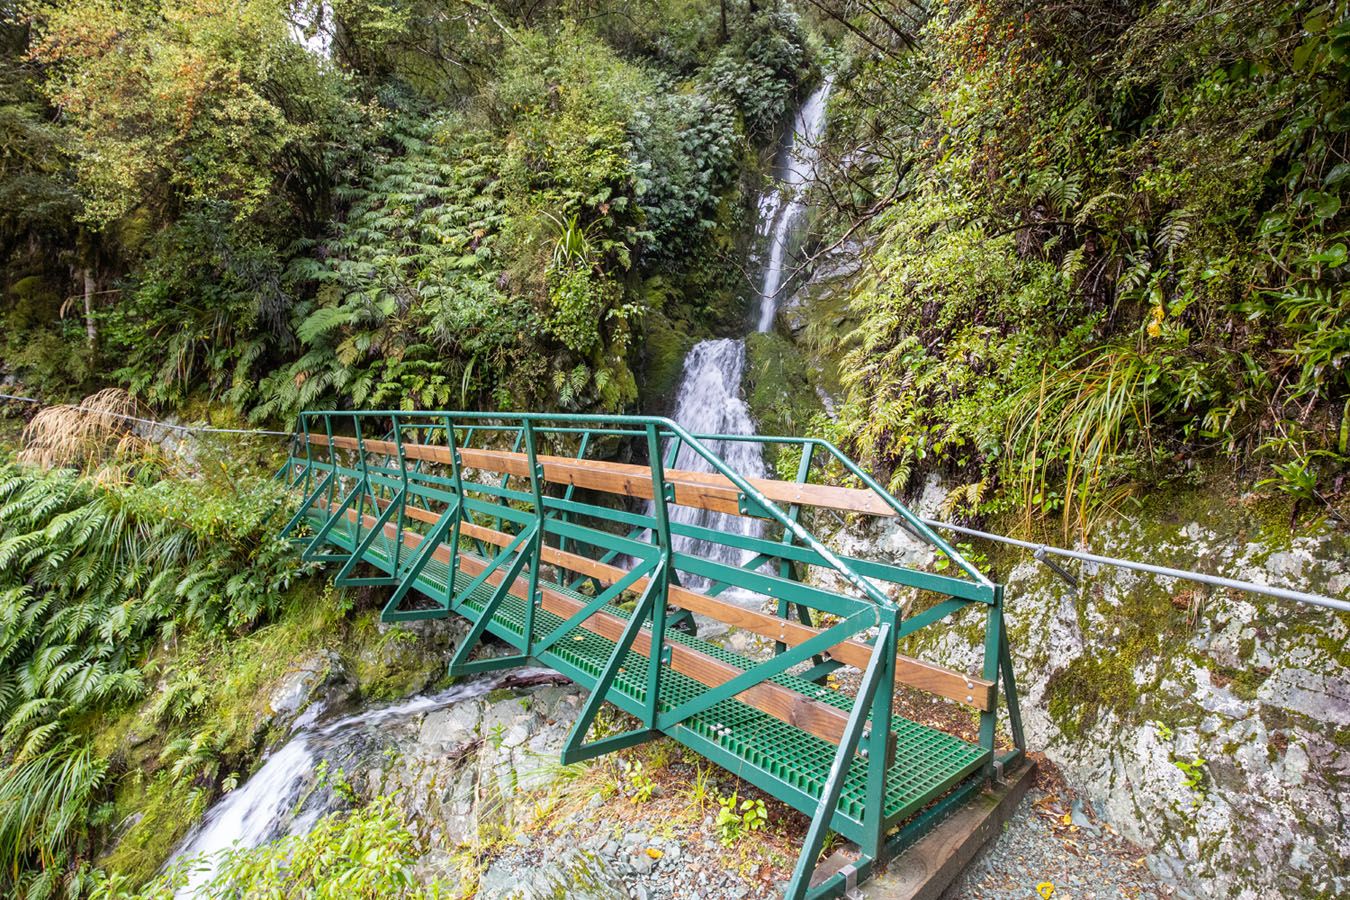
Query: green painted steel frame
(533,516)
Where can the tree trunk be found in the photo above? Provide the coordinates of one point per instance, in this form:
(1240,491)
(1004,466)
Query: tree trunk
(90,288)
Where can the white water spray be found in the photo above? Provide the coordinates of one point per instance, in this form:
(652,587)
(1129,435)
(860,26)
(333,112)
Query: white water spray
(281,798)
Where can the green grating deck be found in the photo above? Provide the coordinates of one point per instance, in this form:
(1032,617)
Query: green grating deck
(927,762)
(845,760)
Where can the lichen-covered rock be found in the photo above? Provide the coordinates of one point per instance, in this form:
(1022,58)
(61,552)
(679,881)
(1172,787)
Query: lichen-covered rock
(463,768)
(1211,728)
(318,677)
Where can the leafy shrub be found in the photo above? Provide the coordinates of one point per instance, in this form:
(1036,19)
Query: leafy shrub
(761,67)
(368,853)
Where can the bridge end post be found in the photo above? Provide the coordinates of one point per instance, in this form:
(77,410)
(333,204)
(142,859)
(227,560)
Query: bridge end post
(660,579)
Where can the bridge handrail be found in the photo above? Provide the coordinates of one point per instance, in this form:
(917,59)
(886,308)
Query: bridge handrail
(695,441)
(675,430)
(917,525)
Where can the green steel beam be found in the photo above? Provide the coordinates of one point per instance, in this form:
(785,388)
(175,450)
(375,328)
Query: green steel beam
(576,749)
(843,759)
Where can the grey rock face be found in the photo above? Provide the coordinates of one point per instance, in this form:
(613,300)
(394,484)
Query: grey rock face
(320,677)
(1210,729)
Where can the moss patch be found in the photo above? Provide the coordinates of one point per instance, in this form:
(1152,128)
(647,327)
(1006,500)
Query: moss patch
(664,345)
(153,814)
(779,393)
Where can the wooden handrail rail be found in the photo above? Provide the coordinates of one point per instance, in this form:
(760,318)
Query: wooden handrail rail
(698,489)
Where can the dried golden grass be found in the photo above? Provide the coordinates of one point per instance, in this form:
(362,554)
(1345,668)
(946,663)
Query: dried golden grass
(93,435)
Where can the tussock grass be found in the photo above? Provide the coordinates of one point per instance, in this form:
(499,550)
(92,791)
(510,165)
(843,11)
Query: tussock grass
(1075,428)
(93,435)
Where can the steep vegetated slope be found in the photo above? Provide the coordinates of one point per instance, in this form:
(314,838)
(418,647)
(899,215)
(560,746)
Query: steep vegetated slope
(1106,240)
(277,204)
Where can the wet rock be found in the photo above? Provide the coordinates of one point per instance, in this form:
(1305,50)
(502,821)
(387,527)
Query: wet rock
(321,676)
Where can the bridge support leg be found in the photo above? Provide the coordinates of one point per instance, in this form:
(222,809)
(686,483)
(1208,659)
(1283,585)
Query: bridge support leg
(344,577)
(993,644)
(843,760)
(460,664)
(425,551)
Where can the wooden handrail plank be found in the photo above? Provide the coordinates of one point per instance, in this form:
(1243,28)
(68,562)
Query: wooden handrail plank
(926,676)
(705,490)
(821,719)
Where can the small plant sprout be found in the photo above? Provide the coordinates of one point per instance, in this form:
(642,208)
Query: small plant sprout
(736,818)
(639,784)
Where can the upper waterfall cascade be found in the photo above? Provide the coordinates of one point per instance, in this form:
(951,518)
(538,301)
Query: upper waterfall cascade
(709,400)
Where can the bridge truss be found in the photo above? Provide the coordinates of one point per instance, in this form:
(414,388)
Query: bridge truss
(526,526)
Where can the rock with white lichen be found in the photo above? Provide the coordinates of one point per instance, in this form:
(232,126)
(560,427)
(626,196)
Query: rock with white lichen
(1210,728)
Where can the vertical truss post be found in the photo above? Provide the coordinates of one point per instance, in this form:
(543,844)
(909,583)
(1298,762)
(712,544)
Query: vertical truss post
(403,494)
(993,641)
(365,475)
(1009,679)
(332,458)
(564,542)
(660,578)
(425,551)
(843,759)
(785,566)
(309,452)
(506,479)
(877,737)
(457,476)
(536,545)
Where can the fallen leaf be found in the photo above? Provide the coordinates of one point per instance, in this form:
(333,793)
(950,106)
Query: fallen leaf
(654,853)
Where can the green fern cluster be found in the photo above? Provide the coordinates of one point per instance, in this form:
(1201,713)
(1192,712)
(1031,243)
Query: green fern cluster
(90,578)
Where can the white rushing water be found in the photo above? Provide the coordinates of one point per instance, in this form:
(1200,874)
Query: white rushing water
(709,399)
(782,210)
(281,798)
(709,402)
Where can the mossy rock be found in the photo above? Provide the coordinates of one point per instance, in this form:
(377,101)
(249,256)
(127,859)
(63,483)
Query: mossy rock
(664,346)
(779,391)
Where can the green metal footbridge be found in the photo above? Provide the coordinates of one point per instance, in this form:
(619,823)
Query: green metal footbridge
(555,535)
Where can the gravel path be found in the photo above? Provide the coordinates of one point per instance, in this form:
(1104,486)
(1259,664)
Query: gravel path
(1040,854)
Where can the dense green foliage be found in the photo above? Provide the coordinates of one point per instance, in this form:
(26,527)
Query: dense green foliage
(366,854)
(1119,244)
(277,204)
(91,577)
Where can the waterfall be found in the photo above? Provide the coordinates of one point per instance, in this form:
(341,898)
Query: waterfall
(782,210)
(284,796)
(708,400)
